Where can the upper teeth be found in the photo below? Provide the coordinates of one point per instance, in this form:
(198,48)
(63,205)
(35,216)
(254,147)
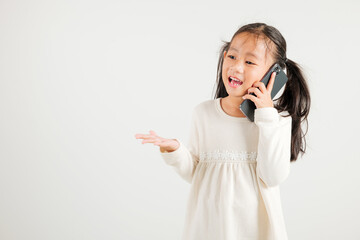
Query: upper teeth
(235,79)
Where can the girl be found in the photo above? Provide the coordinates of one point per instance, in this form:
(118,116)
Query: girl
(234,165)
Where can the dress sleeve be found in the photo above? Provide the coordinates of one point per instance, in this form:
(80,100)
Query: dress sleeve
(185,159)
(274,145)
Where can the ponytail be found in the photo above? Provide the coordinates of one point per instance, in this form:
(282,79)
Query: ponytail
(296,101)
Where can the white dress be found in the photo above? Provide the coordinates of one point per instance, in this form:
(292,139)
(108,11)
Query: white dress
(234,167)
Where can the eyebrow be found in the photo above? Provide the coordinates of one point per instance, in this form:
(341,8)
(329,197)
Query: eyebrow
(248,53)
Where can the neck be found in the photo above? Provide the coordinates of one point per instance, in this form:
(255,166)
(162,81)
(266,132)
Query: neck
(233,102)
(231,106)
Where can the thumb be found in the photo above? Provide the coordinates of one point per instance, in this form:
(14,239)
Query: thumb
(152,132)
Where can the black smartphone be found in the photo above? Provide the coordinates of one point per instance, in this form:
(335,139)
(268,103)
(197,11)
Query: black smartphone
(248,107)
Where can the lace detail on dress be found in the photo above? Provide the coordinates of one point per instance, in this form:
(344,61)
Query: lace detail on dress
(228,156)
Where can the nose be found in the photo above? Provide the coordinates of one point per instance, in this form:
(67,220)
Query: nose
(237,67)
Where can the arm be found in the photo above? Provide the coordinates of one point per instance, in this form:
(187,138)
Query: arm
(185,158)
(274,146)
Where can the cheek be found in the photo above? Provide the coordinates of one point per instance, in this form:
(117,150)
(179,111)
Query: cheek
(224,77)
(224,67)
(224,72)
(251,78)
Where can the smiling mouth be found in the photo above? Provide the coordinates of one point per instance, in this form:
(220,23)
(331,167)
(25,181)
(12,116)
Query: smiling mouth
(234,82)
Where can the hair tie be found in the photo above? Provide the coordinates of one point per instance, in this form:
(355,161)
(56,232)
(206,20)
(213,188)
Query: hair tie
(286,60)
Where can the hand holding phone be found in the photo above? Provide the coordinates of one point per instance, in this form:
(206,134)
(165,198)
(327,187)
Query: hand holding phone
(248,107)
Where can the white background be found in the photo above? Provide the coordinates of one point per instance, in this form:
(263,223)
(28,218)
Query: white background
(78,80)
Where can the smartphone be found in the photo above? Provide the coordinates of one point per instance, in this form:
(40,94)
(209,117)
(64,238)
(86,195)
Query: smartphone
(248,107)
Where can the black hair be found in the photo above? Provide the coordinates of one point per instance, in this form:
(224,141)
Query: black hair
(296,96)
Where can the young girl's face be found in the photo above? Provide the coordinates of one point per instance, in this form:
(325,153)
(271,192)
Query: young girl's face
(247,61)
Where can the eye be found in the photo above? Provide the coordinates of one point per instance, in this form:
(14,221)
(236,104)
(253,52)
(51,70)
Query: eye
(232,57)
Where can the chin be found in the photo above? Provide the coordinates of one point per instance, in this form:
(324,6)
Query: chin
(236,95)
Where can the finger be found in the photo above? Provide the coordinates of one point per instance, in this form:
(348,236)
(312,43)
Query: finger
(260,85)
(251,97)
(255,90)
(271,82)
(138,135)
(157,136)
(153,132)
(148,137)
(143,136)
(152,140)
